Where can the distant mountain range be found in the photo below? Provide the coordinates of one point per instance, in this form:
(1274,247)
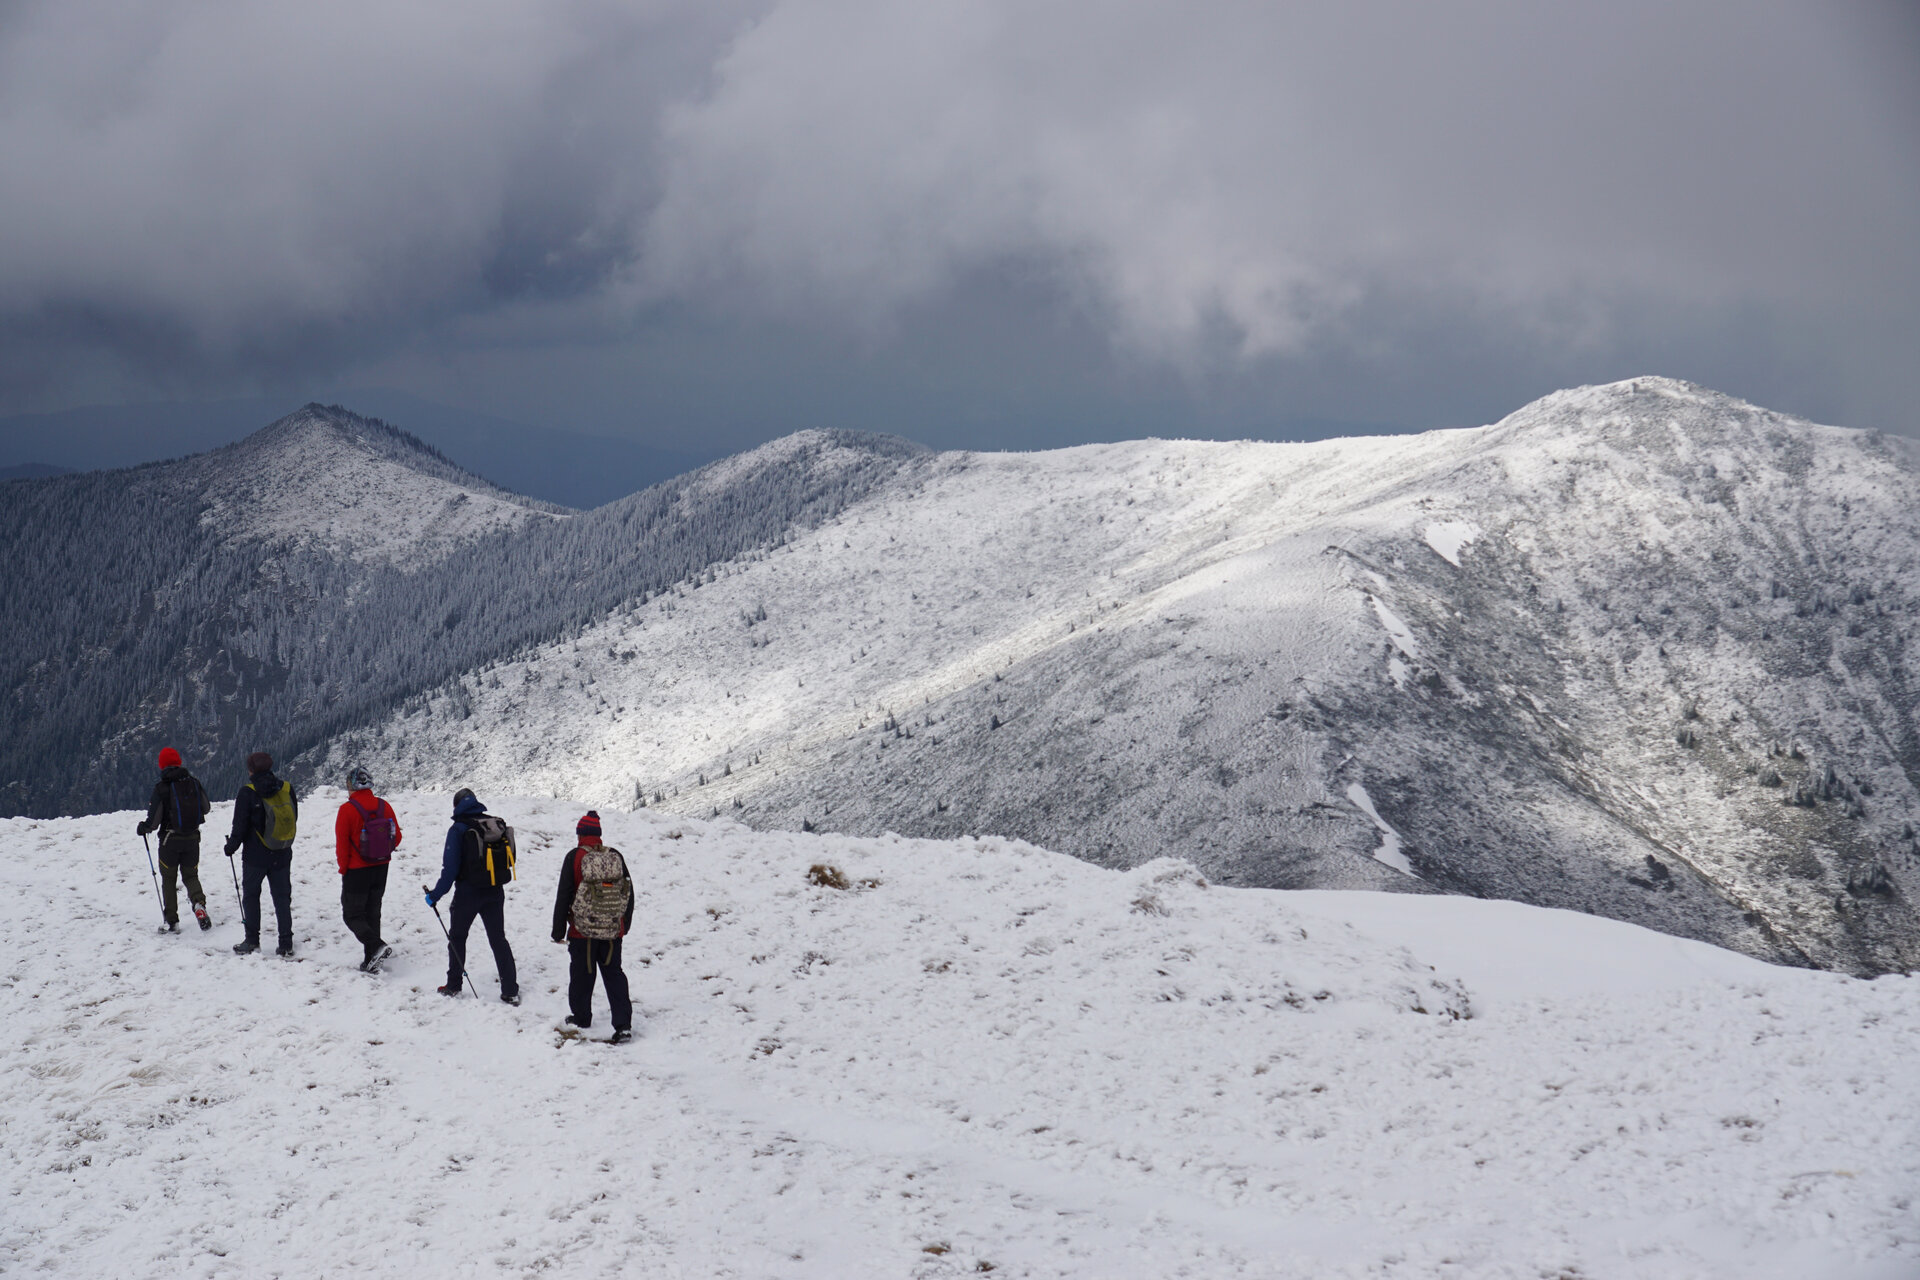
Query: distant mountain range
(317,574)
(565,467)
(32,471)
(1637,650)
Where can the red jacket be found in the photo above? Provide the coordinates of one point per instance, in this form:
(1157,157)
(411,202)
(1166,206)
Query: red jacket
(346,829)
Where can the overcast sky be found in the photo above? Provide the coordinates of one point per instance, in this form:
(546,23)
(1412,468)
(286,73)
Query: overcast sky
(990,223)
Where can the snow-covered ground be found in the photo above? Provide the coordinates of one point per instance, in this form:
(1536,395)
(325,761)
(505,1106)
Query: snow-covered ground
(979,1055)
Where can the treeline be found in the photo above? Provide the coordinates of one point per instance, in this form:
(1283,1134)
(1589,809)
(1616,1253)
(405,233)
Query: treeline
(133,624)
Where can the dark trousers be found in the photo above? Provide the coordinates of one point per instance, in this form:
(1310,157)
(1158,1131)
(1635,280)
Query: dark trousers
(361,892)
(586,955)
(277,870)
(180,860)
(490,905)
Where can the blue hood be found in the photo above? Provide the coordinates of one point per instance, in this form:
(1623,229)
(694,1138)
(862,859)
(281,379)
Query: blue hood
(456,839)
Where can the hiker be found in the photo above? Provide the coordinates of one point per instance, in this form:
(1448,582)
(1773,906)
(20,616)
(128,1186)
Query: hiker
(176,809)
(591,914)
(265,814)
(477,864)
(366,832)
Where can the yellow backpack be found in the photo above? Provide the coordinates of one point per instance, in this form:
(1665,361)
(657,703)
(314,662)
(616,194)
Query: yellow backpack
(278,835)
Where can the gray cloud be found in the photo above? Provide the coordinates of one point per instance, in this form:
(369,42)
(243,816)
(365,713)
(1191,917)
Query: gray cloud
(1264,169)
(1262,204)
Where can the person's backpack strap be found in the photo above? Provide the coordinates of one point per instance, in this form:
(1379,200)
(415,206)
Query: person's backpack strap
(361,841)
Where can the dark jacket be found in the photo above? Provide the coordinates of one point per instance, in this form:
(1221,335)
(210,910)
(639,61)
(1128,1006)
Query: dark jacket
(570,883)
(164,813)
(250,816)
(456,846)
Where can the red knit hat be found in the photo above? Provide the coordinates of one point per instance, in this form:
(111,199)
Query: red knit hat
(169,758)
(589,825)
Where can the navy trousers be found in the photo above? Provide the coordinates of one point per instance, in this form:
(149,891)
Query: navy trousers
(490,905)
(277,870)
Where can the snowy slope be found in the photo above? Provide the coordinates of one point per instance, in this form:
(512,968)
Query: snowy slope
(1637,650)
(979,1054)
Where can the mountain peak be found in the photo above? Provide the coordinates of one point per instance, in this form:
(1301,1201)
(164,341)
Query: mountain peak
(316,425)
(1668,417)
(329,478)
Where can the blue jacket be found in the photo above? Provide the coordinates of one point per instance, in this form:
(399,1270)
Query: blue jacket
(456,846)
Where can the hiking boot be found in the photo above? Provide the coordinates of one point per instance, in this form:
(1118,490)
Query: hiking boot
(448,991)
(200,914)
(509,999)
(246,948)
(620,1036)
(171,926)
(572,1023)
(369,965)
(380,953)
(284,949)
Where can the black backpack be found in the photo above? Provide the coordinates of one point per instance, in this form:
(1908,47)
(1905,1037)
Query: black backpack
(486,861)
(186,805)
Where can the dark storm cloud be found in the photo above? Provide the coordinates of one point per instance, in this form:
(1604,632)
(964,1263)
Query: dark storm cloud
(1251,199)
(242,172)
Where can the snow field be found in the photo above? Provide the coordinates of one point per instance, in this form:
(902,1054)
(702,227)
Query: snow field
(976,1054)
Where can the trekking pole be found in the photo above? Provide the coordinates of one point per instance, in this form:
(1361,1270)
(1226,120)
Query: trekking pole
(238,904)
(464,976)
(156,879)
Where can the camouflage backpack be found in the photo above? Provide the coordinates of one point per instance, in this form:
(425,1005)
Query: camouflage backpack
(601,892)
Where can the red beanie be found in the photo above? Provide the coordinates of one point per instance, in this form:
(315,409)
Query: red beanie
(169,758)
(589,825)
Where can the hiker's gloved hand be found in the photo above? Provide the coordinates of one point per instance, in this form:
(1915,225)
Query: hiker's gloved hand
(560,936)
(231,845)
(142,829)
(431,900)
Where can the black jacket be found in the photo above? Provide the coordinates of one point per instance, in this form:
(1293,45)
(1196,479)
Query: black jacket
(164,812)
(250,814)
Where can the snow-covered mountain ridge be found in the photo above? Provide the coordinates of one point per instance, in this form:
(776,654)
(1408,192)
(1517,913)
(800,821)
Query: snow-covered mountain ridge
(318,573)
(978,1054)
(1637,650)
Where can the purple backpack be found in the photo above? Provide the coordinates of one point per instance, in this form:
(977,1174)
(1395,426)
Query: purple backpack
(376,833)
